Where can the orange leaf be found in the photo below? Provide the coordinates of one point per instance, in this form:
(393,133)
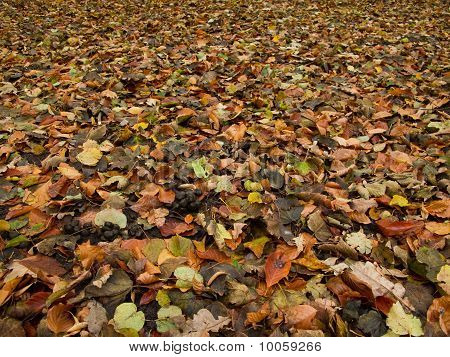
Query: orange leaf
(59,319)
(8,288)
(441,229)
(439,208)
(278,264)
(439,311)
(258,316)
(166,196)
(235,132)
(214,254)
(185,113)
(300,316)
(341,290)
(88,254)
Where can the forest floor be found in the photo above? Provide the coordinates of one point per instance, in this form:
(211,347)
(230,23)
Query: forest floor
(224,168)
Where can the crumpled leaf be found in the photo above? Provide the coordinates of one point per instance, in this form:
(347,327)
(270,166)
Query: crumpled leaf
(199,167)
(96,317)
(204,322)
(112,292)
(372,324)
(69,171)
(59,319)
(239,294)
(219,232)
(359,241)
(254,197)
(433,261)
(379,285)
(439,312)
(318,226)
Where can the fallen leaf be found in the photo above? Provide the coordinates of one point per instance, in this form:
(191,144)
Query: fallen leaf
(59,319)
(402,323)
(126,317)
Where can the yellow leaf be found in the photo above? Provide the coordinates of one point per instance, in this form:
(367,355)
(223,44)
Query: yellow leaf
(254,197)
(257,245)
(135,110)
(4,225)
(140,125)
(399,201)
(402,323)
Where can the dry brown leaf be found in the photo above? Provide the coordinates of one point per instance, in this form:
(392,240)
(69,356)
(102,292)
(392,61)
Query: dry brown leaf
(59,319)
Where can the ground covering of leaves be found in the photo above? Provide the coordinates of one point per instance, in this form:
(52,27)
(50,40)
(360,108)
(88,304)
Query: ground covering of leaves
(224,168)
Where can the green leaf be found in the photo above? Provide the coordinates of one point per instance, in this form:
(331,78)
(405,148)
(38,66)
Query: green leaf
(16,241)
(402,323)
(433,261)
(179,246)
(18,223)
(112,215)
(199,167)
(126,316)
(165,326)
(223,183)
(187,277)
(153,249)
(372,324)
(252,186)
(169,311)
(219,232)
(302,168)
(163,298)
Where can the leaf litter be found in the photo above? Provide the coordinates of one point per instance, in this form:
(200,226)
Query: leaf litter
(168,171)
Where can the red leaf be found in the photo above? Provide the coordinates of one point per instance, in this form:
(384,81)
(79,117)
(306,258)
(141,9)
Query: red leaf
(36,302)
(391,228)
